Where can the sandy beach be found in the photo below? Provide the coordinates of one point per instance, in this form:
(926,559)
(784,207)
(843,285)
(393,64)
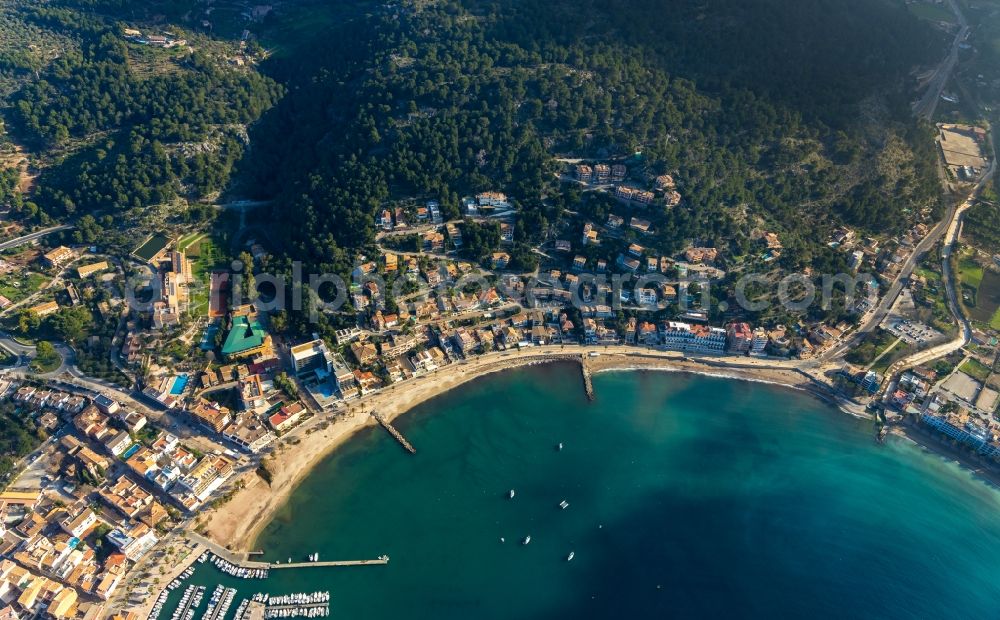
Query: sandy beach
(237,523)
(936,444)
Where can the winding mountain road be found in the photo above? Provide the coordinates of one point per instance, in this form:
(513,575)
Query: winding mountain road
(926,105)
(13,243)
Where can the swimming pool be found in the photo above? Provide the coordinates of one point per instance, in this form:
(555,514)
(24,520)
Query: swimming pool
(208,340)
(128,453)
(324,389)
(180,382)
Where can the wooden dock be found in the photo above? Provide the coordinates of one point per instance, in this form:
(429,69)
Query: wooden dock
(392,431)
(588,383)
(299,606)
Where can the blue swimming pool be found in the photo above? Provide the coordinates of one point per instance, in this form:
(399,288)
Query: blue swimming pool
(128,453)
(179,384)
(326,389)
(208,339)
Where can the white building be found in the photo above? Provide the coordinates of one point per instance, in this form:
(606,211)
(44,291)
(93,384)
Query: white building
(311,356)
(758,342)
(698,338)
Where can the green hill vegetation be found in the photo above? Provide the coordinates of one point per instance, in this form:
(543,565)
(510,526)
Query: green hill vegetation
(111,135)
(982,222)
(770,116)
(791,118)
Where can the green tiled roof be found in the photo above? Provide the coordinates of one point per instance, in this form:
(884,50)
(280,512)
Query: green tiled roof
(243,336)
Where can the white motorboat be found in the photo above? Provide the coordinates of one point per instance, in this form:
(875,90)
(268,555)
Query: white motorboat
(511,494)
(571,555)
(527,539)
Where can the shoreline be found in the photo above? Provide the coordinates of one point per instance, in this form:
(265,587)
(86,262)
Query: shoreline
(241,520)
(932,443)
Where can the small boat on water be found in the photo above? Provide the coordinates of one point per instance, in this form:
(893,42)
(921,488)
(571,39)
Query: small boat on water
(572,554)
(527,539)
(502,539)
(564,504)
(560,446)
(511,494)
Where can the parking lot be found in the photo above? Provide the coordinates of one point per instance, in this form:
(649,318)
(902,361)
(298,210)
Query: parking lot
(912,332)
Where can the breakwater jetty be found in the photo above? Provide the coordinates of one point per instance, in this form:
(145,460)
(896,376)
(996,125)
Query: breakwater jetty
(588,382)
(395,433)
(240,560)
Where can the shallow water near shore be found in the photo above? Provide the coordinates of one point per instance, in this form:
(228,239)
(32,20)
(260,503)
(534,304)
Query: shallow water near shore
(688,496)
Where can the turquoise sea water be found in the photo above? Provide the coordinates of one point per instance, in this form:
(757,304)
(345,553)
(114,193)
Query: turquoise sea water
(689,497)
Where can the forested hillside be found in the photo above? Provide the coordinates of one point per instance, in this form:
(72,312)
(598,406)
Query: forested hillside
(819,57)
(112,133)
(790,117)
(441,100)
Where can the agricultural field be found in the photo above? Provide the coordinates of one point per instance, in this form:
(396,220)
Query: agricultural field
(988,298)
(17,286)
(980,290)
(970,271)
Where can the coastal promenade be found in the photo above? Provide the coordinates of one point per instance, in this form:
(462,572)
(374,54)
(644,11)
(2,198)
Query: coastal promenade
(243,517)
(239,558)
(375,562)
(184,557)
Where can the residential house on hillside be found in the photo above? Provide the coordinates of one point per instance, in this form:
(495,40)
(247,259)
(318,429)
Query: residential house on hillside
(640,225)
(364,352)
(57,257)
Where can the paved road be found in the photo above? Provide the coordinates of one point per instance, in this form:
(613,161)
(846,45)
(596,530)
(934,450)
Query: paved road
(881,309)
(952,236)
(13,243)
(925,107)
(14,347)
(950,284)
(948,228)
(951,292)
